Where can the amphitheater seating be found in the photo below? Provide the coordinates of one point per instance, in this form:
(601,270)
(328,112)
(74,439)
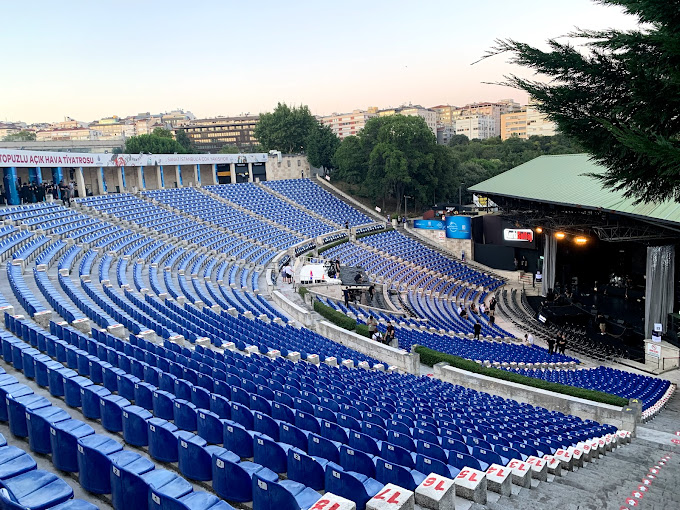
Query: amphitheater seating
(180,384)
(315,198)
(610,380)
(259,201)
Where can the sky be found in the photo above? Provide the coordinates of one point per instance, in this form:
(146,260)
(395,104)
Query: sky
(93,59)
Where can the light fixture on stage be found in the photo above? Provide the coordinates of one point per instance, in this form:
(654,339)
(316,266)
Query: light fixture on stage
(539,230)
(560,235)
(581,240)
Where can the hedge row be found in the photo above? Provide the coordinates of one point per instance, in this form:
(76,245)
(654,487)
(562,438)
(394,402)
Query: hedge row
(373,232)
(337,318)
(332,245)
(430,358)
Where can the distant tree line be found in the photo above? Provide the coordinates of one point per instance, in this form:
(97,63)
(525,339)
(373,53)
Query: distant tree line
(398,156)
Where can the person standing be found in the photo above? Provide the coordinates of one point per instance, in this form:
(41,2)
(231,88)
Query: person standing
(492,306)
(478,330)
(389,334)
(601,321)
(345,295)
(551,345)
(562,344)
(372,325)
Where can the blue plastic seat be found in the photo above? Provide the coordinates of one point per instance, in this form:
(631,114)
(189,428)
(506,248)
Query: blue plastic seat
(195,457)
(292,435)
(162,440)
(94,464)
(17,407)
(163,404)
(408,478)
(269,453)
(286,494)
(14,461)
(397,455)
(334,432)
(34,490)
(306,469)
(164,487)
(64,437)
(266,425)
(16,390)
(487,456)
(128,489)
(357,461)
(428,465)
(232,479)
(184,415)
(318,446)
(135,427)
(238,439)
(210,427)
(111,409)
(220,405)
(144,395)
(75,504)
(349,485)
(91,397)
(39,421)
(72,387)
(197,500)
(463,460)
(56,378)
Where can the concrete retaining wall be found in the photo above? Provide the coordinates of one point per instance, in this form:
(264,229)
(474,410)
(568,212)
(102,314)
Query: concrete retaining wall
(296,312)
(404,361)
(625,418)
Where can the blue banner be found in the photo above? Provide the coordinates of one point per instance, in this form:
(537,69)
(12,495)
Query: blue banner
(429,224)
(458,227)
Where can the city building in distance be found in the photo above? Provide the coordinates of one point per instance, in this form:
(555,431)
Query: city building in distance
(526,123)
(210,135)
(348,124)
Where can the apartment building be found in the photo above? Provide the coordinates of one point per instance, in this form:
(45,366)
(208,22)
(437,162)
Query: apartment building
(347,124)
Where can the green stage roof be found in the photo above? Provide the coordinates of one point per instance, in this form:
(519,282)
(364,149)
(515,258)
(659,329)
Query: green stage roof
(563,180)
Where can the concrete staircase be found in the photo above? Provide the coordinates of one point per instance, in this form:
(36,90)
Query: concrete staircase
(605,483)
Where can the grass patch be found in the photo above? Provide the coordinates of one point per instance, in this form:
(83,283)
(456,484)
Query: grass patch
(431,357)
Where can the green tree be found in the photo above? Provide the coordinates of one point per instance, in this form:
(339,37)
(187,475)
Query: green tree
(350,161)
(321,146)
(153,144)
(395,156)
(618,96)
(285,129)
(458,140)
(21,136)
(162,132)
(229,149)
(183,139)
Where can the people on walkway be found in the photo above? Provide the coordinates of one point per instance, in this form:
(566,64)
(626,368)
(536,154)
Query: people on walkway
(372,325)
(551,345)
(389,334)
